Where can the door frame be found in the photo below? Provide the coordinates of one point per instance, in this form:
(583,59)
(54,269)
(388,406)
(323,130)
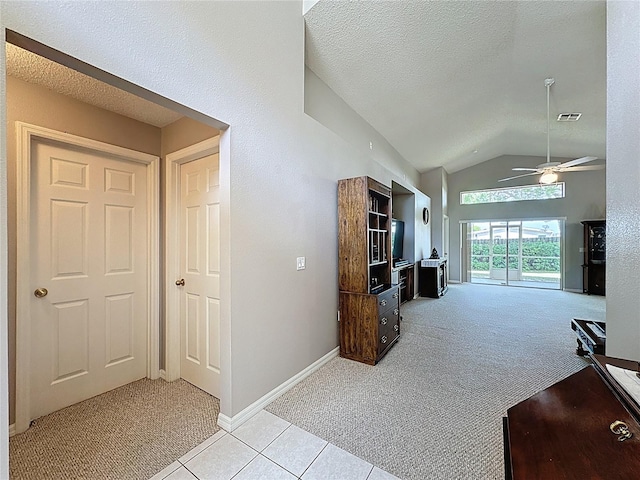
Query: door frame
(173,161)
(465,244)
(26,134)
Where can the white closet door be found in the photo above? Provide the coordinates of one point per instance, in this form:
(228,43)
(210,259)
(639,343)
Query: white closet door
(88,248)
(200,270)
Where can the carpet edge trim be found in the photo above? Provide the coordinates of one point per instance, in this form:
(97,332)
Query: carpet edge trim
(231,423)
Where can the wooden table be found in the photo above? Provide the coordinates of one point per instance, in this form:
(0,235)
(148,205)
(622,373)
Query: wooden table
(563,431)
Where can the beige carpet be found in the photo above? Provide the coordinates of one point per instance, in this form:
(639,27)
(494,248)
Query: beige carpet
(131,432)
(432,408)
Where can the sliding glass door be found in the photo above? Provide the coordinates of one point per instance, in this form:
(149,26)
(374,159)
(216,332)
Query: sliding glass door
(524,253)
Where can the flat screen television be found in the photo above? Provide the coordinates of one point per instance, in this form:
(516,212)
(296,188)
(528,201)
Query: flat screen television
(397,238)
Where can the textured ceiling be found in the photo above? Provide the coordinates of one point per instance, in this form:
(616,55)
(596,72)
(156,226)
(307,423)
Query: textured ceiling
(442,79)
(33,68)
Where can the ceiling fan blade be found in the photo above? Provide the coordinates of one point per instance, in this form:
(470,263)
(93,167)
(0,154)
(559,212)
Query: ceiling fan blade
(517,169)
(518,176)
(583,168)
(577,161)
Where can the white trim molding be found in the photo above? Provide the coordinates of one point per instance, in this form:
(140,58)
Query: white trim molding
(231,423)
(12,430)
(26,135)
(172,248)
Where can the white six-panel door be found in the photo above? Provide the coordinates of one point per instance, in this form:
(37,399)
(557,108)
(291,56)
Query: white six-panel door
(88,250)
(200,270)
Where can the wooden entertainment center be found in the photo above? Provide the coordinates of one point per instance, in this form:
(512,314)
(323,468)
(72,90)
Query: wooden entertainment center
(369,303)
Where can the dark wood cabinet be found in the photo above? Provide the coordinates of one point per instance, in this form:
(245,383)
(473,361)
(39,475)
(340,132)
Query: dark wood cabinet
(595,250)
(433,278)
(369,324)
(563,432)
(404,277)
(369,303)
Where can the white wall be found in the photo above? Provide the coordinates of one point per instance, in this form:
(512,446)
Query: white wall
(325,106)
(585,199)
(423,235)
(4,353)
(623,179)
(242,63)
(435,184)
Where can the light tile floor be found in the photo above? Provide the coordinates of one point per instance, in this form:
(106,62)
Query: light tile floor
(269,448)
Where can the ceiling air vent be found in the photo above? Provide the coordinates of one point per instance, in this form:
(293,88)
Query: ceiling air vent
(569,117)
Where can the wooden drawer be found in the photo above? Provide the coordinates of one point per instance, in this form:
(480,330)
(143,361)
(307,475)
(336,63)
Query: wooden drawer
(388,299)
(388,327)
(388,336)
(361,330)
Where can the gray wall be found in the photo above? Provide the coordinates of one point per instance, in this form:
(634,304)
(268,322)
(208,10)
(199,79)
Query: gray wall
(325,106)
(435,184)
(242,63)
(585,199)
(623,179)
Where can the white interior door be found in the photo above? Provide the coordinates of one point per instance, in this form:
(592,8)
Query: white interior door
(88,249)
(200,273)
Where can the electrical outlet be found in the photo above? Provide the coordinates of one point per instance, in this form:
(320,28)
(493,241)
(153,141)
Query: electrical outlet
(301,263)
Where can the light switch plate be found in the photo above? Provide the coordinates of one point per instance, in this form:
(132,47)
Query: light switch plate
(301,263)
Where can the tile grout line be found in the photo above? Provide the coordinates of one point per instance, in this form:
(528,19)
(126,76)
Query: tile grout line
(256,456)
(276,463)
(316,457)
(201,451)
(370,471)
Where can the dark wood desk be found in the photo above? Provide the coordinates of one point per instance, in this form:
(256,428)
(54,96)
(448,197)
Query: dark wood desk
(563,431)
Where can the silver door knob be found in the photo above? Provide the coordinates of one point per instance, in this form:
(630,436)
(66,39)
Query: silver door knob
(180,282)
(41,292)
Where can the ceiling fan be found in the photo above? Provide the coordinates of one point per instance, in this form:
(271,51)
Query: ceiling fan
(549,170)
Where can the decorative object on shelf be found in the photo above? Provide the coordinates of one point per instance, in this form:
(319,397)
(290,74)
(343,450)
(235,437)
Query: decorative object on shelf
(369,302)
(434,253)
(425,215)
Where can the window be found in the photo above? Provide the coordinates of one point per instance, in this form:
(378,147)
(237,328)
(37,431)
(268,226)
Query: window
(513,194)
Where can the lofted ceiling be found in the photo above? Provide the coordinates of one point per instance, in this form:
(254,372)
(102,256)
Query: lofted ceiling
(456,83)
(35,69)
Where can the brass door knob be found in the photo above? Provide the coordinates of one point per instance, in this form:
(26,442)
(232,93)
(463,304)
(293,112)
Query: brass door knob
(41,292)
(180,282)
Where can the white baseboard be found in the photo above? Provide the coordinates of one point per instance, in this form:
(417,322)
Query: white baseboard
(231,423)
(163,374)
(573,290)
(454,281)
(12,430)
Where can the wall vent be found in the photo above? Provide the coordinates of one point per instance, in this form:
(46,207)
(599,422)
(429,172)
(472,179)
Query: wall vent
(569,117)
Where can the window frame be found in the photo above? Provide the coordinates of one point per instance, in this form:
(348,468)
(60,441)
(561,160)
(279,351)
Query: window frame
(561,185)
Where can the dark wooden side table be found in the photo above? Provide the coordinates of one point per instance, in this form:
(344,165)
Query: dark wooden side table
(563,431)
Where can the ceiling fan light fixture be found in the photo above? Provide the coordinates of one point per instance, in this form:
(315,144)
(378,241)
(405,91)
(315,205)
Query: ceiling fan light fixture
(547,178)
